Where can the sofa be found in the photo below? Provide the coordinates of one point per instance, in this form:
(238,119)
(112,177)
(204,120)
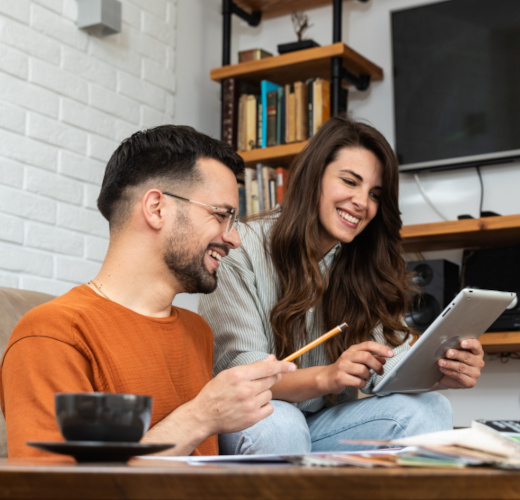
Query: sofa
(14,304)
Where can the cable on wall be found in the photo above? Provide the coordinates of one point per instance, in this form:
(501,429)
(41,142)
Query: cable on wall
(481,190)
(427,198)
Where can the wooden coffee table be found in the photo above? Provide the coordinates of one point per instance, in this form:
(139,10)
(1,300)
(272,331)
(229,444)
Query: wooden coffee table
(158,479)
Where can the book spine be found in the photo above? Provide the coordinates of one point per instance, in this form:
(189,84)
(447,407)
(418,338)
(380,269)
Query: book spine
(230,112)
(272,103)
(260,187)
(291,123)
(259,117)
(242,210)
(281,183)
(263,97)
(251,108)
(317,108)
(310,104)
(272,192)
(268,174)
(280,116)
(288,91)
(302,111)
(241,137)
(249,176)
(255,197)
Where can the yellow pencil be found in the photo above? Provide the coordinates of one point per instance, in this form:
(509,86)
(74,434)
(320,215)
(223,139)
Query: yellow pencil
(319,340)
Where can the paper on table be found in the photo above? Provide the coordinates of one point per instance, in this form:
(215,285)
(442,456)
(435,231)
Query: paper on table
(469,437)
(264,459)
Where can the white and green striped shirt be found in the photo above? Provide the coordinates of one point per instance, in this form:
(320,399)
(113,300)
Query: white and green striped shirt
(238,312)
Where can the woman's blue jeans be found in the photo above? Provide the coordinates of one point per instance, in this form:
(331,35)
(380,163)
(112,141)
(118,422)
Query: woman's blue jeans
(291,431)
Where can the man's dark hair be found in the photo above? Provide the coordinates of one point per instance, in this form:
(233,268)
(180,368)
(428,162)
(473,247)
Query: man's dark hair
(168,153)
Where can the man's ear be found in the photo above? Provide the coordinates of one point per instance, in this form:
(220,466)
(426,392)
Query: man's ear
(152,206)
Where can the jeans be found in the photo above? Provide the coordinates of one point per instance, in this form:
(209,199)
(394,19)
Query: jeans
(291,431)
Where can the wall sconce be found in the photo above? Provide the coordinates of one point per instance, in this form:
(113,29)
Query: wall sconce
(99,17)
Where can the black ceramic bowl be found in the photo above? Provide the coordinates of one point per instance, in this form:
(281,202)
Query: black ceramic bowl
(99,416)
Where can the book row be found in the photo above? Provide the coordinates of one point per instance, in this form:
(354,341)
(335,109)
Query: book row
(271,114)
(262,189)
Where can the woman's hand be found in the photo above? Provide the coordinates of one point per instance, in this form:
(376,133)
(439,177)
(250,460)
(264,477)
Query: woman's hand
(352,369)
(462,367)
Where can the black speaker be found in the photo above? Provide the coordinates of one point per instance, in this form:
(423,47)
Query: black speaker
(495,269)
(438,281)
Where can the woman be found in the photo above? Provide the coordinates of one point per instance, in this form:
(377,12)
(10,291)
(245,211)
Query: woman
(331,254)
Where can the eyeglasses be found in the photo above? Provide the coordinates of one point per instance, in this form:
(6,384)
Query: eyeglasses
(233,215)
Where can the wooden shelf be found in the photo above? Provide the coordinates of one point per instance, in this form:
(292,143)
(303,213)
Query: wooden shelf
(469,233)
(274,156)
(316,62)
(500,342)
(466,233)
(299,65)
(275,8)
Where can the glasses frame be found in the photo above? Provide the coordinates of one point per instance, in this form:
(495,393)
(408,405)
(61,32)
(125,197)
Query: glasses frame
(233,215)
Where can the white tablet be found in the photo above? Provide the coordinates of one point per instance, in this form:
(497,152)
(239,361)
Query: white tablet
(468,315)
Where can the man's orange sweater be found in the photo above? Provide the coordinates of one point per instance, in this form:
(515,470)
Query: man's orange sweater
(83,342)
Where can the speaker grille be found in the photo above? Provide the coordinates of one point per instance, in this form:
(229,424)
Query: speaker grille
(438,281)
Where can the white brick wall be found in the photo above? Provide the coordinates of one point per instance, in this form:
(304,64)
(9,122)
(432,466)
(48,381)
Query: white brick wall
(67,99)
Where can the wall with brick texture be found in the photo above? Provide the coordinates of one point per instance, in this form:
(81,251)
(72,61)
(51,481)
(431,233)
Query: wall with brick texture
(67,99)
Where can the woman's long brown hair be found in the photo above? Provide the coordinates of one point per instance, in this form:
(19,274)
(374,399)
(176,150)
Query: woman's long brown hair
(367,283)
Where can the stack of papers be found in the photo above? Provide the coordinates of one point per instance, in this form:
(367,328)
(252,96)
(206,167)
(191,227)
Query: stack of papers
(494,443)
(487,442)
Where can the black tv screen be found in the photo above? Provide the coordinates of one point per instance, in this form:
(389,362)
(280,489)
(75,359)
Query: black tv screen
(456,81)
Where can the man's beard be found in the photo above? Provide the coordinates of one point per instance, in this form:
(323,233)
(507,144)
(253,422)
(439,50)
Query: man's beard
(185,262)
(189,269)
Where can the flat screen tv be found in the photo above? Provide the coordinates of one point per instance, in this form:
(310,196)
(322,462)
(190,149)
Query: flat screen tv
(456,76)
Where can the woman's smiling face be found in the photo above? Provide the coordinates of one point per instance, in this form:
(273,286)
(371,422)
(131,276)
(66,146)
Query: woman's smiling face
(350,193)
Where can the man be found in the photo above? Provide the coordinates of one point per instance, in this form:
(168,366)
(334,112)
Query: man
(170,197)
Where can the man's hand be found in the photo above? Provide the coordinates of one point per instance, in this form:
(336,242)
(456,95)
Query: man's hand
(239,397)
(234,400)
(461,367)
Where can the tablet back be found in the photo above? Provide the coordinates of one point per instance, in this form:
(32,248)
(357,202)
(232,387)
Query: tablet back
(468,315)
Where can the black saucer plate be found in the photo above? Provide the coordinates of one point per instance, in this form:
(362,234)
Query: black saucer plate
(99,451)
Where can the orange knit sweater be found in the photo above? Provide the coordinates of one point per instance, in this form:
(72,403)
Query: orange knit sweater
(84,342)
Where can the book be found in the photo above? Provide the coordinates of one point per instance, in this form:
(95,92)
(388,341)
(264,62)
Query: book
(259,123)
(281,183)
(255,197)
(290,114)
(268,175)
(265,87)
(241,134)
(272,105)
(260,188)
(321,107)
(301,111)
(253,55)
(251,121)
(249,177)
(242,210)
(272,192)
(231,91)
(229,112)
(280,116)
(310,105)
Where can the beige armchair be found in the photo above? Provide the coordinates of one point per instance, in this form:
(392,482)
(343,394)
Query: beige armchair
(14,304)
